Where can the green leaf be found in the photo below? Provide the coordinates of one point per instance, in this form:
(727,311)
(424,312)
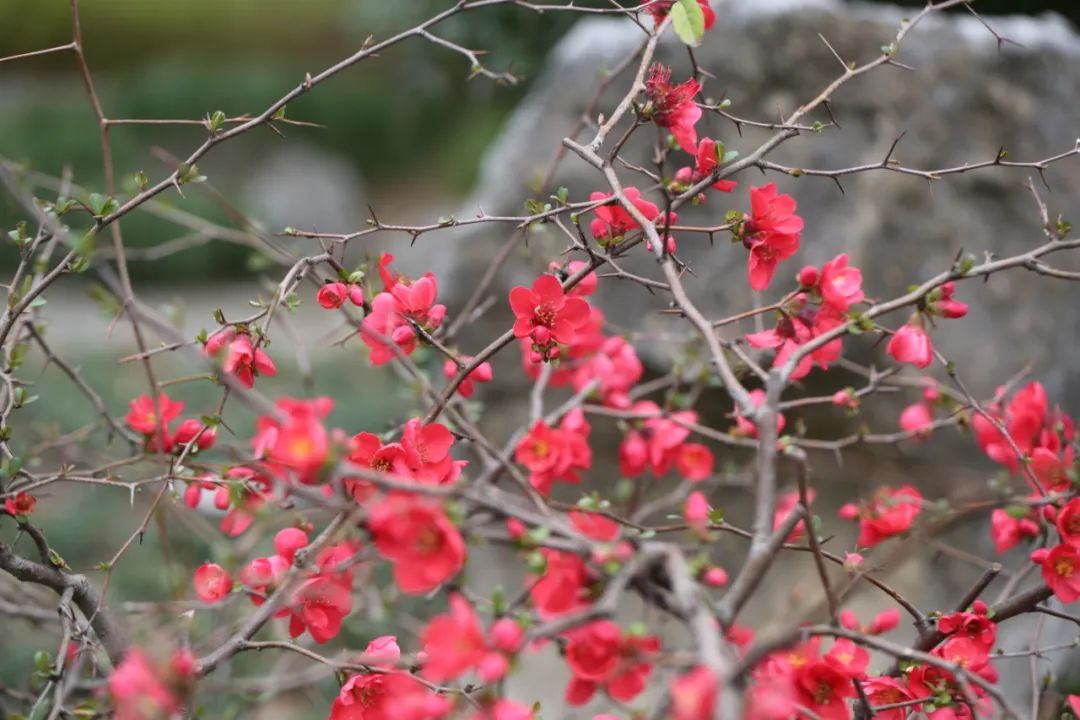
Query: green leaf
(42,661)
(101,205)
(217,120)
(688,21)
(18,354)
(18,235)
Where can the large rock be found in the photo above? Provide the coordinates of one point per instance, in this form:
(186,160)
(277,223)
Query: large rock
(966,98)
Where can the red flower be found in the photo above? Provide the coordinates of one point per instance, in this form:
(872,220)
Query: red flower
(427,451)
(333,295)
(706,160)
(839,284)
(253,491)
(213,583)
(824,688)
(387,696)
(770,233)
(673,107)
(848,657)
(941,302)
(481,373)
(22,504)
(599,656)
(191,429)
(890,512)
(454,642)
(788,335)
(142,416)
(555,454)
(1068,523)
(974,624)
(244,361)
(747,428)
(785,505)
(562,587)
(288,541)
(1060,571)
(384,323)
(586,286)
(696,512)
(295,439)
(1007,530)
(918,420)
(656,443)
(546,315)
(694,462)
(504,709)
(368,451)
(694,694)
(218,341)
(911,344)
(142,691)
(323,600)
(417,537)
(612,219)
(885,690)
(594,525)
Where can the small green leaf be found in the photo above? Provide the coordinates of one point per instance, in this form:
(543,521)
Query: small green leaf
(18,354)
(101,205)
(187,174)
(689,21)
(42,661)
(18,235)
(217,120)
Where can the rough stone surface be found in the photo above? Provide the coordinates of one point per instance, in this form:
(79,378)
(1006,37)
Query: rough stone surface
(965,99)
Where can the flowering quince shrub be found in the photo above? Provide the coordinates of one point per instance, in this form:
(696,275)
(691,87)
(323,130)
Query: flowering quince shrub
(602,493)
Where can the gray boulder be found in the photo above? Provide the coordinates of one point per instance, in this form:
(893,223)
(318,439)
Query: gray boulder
(966,99)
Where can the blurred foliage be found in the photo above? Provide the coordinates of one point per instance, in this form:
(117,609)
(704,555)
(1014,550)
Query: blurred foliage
(405,115)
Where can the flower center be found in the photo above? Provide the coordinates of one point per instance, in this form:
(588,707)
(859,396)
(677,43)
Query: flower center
(544,315)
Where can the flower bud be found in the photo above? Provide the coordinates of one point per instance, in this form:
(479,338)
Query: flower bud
(507,635)
(853,562)
(808,277)
(288,541)
(221,497)
(885,621)
(492,667)
(332,295)
(716,577)
(192,494)
(403,335)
